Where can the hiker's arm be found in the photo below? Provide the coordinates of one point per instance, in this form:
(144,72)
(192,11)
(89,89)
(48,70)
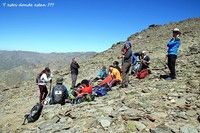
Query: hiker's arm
(75,65)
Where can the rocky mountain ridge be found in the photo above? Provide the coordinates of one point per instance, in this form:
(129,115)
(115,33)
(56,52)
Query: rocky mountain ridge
(150,105)
(16,65)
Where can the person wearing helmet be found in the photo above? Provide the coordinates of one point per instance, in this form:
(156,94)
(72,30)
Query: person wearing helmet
(172,52)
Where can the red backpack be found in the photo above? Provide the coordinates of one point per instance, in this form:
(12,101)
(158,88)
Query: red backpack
(142,74)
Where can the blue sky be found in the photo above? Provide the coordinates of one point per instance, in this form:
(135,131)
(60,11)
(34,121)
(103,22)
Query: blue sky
(84,25)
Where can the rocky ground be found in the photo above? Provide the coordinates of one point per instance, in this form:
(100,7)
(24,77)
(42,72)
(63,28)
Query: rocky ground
(150,105)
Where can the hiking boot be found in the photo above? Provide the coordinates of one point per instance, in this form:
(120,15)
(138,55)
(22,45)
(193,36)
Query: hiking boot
(123,86)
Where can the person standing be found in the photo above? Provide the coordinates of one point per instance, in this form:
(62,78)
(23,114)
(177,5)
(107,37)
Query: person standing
(44,77)
(172,52)
(126,63)
(74,72)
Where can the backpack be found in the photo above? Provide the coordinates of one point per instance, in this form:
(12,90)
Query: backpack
(37,80)
(58,95)
(100,91)
(34,113)
(142,74)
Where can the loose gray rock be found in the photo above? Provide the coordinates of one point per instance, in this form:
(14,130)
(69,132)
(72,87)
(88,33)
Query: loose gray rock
(104,121)
(188,129)
(161,129)
(140,126)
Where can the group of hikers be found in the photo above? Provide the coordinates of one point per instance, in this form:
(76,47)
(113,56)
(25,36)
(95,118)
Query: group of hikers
(138,62)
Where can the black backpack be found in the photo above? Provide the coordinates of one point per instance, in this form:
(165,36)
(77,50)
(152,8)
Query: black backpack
(34,114)
(37,80)
(58,95)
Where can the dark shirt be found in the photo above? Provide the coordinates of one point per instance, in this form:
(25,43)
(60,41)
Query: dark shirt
(127,56)
(63,89)
(146,64)
(74,68)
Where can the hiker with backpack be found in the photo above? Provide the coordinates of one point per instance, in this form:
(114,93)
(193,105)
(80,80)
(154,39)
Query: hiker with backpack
(135,62)
(143,70)
(144,61)
(172,52)
(126,63)
(42,79)
(74,66)
(59,93)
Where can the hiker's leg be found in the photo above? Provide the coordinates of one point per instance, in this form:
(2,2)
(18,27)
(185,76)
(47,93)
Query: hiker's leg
(123,73)
(41,93)
(74,78)
(127,73)
(169,63)
(173,68)
(45,92)
(111,83)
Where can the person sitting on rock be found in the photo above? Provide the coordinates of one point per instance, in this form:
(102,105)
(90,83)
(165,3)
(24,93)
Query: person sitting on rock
(59,93)
(135,62)
(113,78)
(102,74)
(84,88)
(144,61)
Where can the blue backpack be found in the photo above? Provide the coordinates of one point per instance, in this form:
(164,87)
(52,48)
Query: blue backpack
(134,59)
(100,91)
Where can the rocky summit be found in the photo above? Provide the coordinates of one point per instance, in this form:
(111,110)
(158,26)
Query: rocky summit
(149,105)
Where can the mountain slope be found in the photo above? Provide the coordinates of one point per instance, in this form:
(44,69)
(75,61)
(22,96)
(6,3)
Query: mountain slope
(149,105)
(19,66)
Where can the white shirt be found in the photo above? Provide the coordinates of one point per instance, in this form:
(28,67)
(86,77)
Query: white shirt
(44,79)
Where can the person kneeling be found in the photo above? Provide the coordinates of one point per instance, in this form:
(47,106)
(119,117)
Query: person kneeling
(59,93)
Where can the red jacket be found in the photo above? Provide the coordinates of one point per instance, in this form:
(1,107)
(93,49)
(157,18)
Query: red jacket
(87,90)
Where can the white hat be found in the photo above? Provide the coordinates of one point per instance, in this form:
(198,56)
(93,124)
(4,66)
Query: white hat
(176,30)
(144,52)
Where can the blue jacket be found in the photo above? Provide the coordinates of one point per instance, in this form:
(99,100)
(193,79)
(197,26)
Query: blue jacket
(102,73)
(173,46)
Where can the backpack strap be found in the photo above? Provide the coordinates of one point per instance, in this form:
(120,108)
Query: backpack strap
(25,118)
